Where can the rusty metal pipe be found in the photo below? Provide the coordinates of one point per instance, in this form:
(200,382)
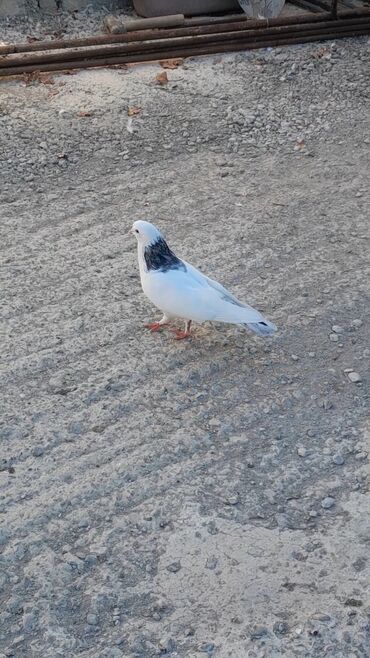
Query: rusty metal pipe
(148,46)
(306,5)
(117,50)
(192,30)
(191,51)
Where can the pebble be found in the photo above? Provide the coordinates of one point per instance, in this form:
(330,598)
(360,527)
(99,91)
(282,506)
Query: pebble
(211,562)
(167,645)
(354,377)
(361,455)
(302,452)
(338,460)
(232,500)
(337,329)
(207,647)
(38,451)
(259,632)
(280,628)
(334,338)
(91,619)
(327,502)
(357,323)
(294,357)
(29,622)
(320,616)
(174,567)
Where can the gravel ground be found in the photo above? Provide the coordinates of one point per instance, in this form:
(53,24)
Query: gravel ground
(198,498)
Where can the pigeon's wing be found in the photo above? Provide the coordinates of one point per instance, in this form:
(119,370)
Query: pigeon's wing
(225,294)
(187,293)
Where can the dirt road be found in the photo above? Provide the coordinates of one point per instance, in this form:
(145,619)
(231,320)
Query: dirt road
(198,498)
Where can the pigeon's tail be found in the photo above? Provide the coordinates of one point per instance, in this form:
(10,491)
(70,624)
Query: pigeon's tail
(262,328)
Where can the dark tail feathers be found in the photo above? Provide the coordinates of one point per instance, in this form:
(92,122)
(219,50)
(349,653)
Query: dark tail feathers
(263,328)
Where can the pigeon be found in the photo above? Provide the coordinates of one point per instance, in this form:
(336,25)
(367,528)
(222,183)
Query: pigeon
(179,290)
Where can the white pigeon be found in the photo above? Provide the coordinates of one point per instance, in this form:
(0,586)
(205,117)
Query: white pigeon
(179,290)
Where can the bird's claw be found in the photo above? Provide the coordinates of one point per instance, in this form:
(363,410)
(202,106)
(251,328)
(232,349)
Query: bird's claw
(153,326)
(179,334)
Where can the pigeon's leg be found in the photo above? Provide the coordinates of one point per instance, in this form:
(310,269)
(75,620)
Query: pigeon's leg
(155,326)
(182,334)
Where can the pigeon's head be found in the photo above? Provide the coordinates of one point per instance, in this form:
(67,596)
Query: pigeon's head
(145,233)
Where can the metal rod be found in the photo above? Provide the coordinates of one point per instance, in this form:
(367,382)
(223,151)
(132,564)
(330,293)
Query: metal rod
(207,49)
(325,6)
(149,46)
(308,6)
(116,26)
(213,20)
(144,35)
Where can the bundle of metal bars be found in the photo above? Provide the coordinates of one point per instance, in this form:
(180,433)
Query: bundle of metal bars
(195,37)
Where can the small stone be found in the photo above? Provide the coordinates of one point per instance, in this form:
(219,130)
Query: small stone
(359,564)
(357,323)
(337,329)
(167,645)
(38,451)
(259,632)
(338,460)
(3,537)
(232,500)
(280,628)
(91,560)
(174,567)
(207,647)
(29,622)
(320,616)
(354,377)
(353,603)
(189,632)
(312,355)
(83,523)
(327,502)
(334,338)
(91,619)
(211,562)
(302,452)
(294,357)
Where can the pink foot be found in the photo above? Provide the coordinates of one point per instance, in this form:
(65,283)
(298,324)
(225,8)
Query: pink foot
(154,326)
(180,335)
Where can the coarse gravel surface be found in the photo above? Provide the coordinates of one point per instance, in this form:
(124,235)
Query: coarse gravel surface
(198,498)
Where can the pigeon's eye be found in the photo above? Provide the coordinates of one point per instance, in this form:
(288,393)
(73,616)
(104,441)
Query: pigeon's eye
(136,231)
